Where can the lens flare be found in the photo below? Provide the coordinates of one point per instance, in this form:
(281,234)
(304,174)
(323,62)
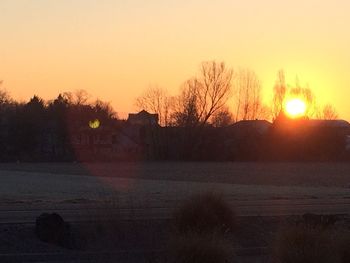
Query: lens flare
(94,124)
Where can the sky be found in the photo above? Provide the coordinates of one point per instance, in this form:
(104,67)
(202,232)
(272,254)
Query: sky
(116,49)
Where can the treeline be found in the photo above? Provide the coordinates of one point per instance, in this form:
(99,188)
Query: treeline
(195,124)
(219,96)
(289,140)
(199,119)
(40,130)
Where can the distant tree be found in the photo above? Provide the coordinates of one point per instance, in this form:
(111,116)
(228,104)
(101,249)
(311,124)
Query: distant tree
(279,93)
(222,118)
(283,92)
(81,97)
(5,101)
(31,126)
(186,111)
(248,102)
(156,100)
(204,95)
(104,110)
(58,130)
(305,94)
(36,105)
(78,97)
(200,98)
(328,112)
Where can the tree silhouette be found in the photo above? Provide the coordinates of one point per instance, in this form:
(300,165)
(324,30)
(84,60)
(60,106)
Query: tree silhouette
(222,118)
(248,101)
(279,93)
(328,112)
(156,100)
(204,95)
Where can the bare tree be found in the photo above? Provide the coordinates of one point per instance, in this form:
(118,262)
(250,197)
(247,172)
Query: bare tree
(105,108)
(222,118)
(156,100)
(283,92)
(328,112)
(81,97)
(4,97)
(248,101)
(279,93)
(206,94)
(305,94)
(186,112)
(78,97)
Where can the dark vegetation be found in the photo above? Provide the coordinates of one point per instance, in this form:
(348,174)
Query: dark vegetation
(209,237)
(59,130)
(203,214)
(198,124)
(302,244)
(201,232)
(42,131)
(316,238)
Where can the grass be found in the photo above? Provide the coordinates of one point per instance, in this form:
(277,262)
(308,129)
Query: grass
(304,244)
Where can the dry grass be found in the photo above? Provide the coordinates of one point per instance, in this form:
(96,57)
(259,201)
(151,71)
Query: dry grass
(200,231)
(205,213)
(304,244)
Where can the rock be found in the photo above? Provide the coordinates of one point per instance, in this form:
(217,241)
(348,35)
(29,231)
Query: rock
(51,228)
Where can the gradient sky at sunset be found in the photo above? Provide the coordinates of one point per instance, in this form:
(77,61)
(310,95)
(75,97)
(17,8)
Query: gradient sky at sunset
(115,49)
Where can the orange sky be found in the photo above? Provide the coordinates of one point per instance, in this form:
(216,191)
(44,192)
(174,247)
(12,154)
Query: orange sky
(116,49)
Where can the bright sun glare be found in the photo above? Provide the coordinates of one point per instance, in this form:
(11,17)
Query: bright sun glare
(295,108)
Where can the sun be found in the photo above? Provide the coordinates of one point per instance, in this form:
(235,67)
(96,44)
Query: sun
(295,108)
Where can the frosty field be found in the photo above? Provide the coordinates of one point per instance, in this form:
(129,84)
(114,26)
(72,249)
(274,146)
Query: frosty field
(165,184)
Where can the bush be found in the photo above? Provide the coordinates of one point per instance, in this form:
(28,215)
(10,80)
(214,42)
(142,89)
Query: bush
(302,244)
(194,248)
(204,213)
(200,231)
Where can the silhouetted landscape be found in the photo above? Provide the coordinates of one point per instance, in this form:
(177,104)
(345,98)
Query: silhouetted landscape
(194,126)
(174,131)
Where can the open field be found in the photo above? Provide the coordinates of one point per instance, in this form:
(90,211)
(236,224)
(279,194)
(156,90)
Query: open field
(148,193)
(277,174)
(143,185)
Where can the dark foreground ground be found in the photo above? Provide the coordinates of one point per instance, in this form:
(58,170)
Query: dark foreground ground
(274,190)
(135,241)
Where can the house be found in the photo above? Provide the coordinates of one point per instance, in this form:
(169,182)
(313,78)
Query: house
(340,125)
(255,126)
(143,118)
(243,140)
(309,139)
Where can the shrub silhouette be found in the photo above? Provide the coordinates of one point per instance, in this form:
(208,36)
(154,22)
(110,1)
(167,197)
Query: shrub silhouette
(204,213)
(200,231)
